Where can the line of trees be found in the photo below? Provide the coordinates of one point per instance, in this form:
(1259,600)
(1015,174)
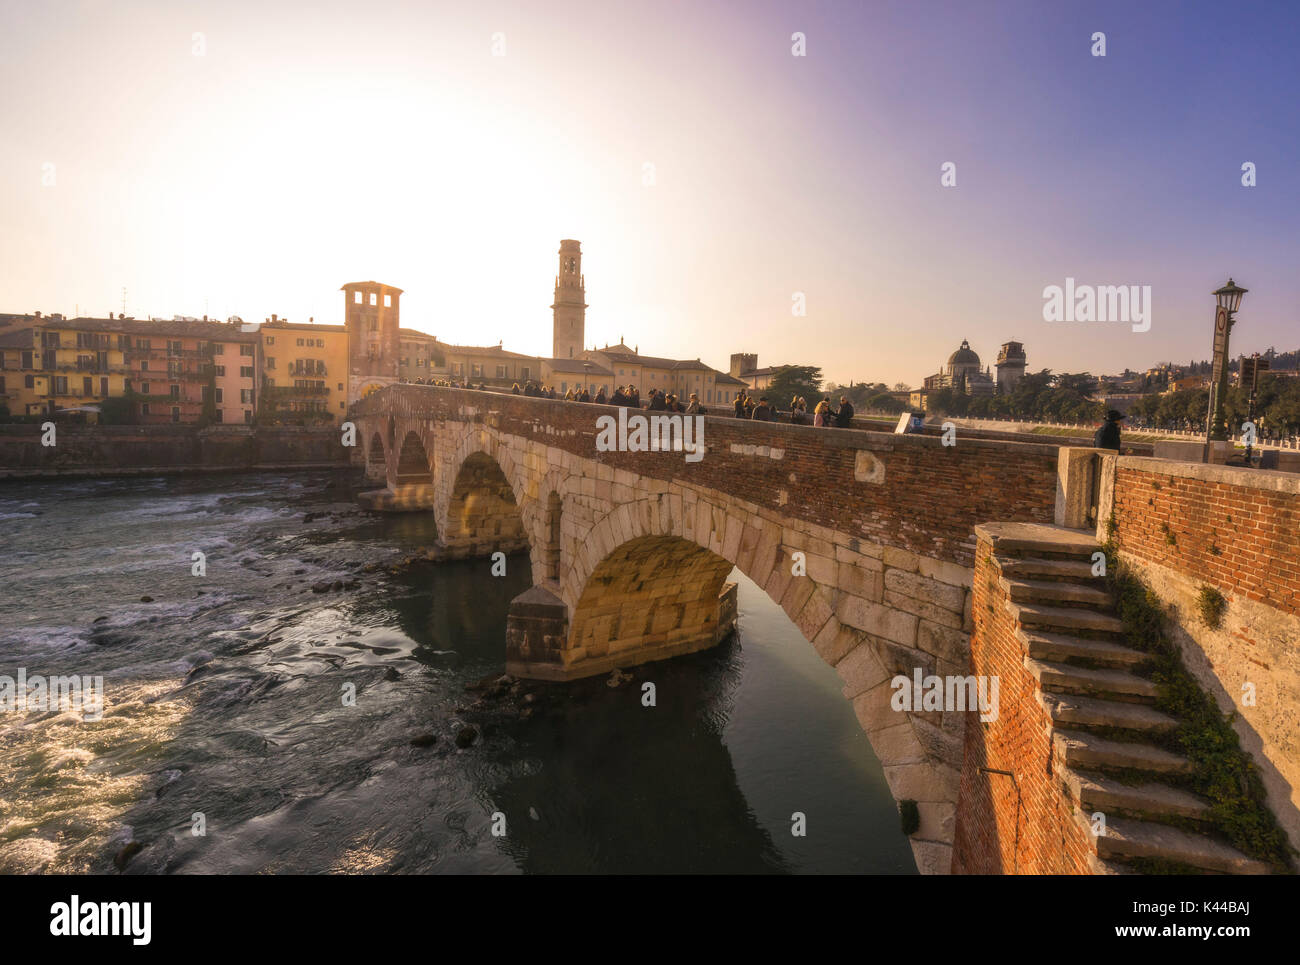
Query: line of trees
(1039,395)
(1277,408)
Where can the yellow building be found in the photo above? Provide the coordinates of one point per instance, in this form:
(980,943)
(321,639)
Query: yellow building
(51,364)
(421,358)
(490,365)
(304,372)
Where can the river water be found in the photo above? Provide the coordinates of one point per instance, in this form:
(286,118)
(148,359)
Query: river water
(279,722)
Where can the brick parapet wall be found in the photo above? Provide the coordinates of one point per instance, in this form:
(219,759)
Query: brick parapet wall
(927,500)
(1018,822)
(1235,529)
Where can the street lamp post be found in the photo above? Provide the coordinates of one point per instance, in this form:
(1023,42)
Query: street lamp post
(1228,300)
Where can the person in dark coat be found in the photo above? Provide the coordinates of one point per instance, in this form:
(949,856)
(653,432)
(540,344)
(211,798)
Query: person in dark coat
(844,417)
(740,405)
(1107,437)
(657,401)
(600,396)
(762,412)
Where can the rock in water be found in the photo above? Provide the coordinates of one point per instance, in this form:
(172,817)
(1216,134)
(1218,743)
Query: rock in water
(126,854)
(466,736)
(424,740)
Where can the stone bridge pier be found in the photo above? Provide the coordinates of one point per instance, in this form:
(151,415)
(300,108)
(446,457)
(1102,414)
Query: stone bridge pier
(865,540)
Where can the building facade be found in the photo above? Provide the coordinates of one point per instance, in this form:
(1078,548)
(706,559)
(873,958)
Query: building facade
(304,372)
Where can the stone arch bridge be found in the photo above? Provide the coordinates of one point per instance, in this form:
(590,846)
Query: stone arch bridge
(630,551)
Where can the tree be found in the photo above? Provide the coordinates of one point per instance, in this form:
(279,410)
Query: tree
(792,380)
(902,387)
(118,410)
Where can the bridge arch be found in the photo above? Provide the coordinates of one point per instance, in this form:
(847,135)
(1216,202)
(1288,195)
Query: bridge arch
(644,585)
(481,502)
(413,465)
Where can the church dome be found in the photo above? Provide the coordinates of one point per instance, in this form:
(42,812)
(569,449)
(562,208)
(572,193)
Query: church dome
(964,356)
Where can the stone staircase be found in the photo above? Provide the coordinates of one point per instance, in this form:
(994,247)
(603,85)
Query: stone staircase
(1105,729)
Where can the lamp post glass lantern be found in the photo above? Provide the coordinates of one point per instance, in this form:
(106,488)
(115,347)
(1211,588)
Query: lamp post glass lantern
(1227,301)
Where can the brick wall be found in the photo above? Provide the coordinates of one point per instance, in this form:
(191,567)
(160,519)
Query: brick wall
(929,501)
(1018,824)
(1238,530)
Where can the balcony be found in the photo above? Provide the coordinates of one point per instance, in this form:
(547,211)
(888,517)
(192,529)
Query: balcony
(294,391)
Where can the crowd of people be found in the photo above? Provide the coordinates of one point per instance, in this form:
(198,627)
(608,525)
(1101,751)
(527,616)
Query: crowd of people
(746,407)
(629,396)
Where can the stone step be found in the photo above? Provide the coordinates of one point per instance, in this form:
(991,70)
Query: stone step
(1097,792)
(1080,750)
(1044,569)
(1056,591)
(1066,618)
(1065,678)
(1052,544)
(1128,838)
(1061,648)
(1072,710)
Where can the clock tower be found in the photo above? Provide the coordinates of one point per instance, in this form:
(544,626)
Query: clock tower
(569,313)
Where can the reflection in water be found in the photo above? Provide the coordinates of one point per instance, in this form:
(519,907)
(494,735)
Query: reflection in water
(229,700)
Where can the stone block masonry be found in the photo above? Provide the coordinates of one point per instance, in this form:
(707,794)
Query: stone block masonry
(864,539)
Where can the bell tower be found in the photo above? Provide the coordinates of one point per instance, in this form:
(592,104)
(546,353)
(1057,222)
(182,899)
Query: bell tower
(372,317)
(569,313)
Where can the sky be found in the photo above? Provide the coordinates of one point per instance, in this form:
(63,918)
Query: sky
(249,158)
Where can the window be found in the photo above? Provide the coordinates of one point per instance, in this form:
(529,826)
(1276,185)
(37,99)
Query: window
(220,371)
(501,371)
(270,340)
(246,349)
(142,343)
(356,298)
(388,301)
(404,361)
(29,381)
(245,371)
(374,299)
(87,385)
(144,408)
(270,363)
(300,342)
(523,372)
(144,388)
(203,393)
(144,365)
(175,391)
(248,415)
(60,385)
(173,347)
(124,343)
(27,361)
(218,415)
(246,396)
(176,413)
(221,395)
(218,349)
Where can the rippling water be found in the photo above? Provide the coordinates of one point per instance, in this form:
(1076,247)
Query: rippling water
(225,704)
